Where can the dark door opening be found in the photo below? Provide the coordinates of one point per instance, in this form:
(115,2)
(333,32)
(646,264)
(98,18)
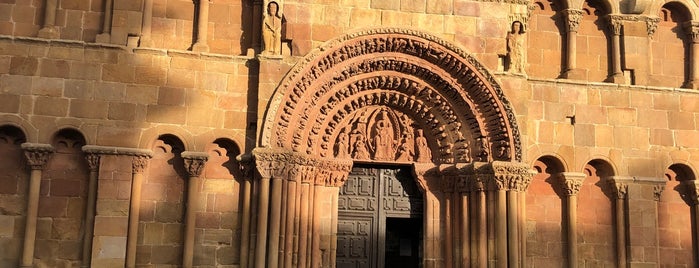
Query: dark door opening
(403,242)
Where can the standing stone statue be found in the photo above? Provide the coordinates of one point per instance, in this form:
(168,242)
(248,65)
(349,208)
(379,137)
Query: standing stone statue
(272,30)
(423,150)
(516,48)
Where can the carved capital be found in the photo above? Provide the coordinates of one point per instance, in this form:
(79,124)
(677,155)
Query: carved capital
(93,161)
(692,29)
(246,166)
(139,163)
(689,191)
(615,22)
(651,25)
(511,176)
(194,162)
(658,191)
(619,186)
(428,176)
(571,182)
(573,18)
(37,154)
(275,163)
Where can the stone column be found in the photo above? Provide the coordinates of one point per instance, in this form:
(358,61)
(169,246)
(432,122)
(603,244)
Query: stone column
(689,191)
(615,23)
(146,27)
(651,27)
(428,177)
(37,155)
(464,222)
(49,29)
(621,188)
(571,182)
(138,168)
(692,29)
(447,186)
(247,169)
(93,161)
(194,164)
(202,27)
(105,36)
(573,18)
(480,230)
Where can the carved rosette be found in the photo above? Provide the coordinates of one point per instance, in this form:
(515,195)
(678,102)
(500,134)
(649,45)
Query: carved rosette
(571,182)
(689,191)
(37,154)
(615,22)
(692,30)
(363,95)
(573,18)
(284,164)
(194,162)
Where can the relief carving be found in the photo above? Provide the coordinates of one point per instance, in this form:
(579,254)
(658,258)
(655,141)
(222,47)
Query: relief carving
(194,162)
(516,47)
(139,163)
(272,30)
(459,81)
(573,18)
(93,161)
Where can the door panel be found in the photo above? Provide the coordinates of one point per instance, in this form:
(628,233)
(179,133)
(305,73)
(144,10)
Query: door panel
(362,229)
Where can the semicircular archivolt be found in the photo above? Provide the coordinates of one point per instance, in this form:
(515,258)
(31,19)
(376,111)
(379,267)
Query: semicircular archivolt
(295,119)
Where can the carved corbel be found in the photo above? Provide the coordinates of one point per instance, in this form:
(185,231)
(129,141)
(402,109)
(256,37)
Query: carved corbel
(37,154)
(194,162)
(689,191)
(573,18)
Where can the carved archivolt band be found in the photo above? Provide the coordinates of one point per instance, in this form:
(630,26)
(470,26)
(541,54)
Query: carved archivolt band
(443,91)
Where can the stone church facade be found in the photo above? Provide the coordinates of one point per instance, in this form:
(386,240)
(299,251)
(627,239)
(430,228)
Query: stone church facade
(349,133)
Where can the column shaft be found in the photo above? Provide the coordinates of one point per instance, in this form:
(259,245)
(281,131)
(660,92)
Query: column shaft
(482,231)
(134,211)
(90,209)
(190,220)
(694,64)
(49,29)
(620,232)
(263,211)
(501,229)
(513,229)
(448,235)
(465,227)
(32,214)
(146,29)
(572,231)
(245,228)
(290,219)
(316,258)
(571,43)
(274,223)
(202,27)
(523,228)
(303,226)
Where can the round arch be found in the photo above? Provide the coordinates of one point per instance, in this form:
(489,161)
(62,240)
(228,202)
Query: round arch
(401,85)
(684,6)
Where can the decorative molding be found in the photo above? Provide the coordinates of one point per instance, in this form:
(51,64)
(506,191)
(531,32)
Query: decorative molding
(296,119)
(194,162)
(37,154)
(285,164)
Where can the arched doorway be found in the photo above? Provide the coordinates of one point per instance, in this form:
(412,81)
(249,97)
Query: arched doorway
(378,97)
(379,218)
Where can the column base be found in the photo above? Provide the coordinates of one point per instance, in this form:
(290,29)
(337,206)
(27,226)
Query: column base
(49,32)
(575,74)
(104,38)
(691,84)
(199,47)
(616,79)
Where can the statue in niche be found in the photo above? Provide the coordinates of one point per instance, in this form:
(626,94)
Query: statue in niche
(342,145)
(383,142)
(406,151)
(272,30)
(359,147)
(515,48)
(423,150)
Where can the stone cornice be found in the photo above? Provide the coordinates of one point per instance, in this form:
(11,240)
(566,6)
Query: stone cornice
(109,150)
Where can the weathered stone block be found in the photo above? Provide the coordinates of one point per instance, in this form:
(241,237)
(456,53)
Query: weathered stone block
(24,65)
